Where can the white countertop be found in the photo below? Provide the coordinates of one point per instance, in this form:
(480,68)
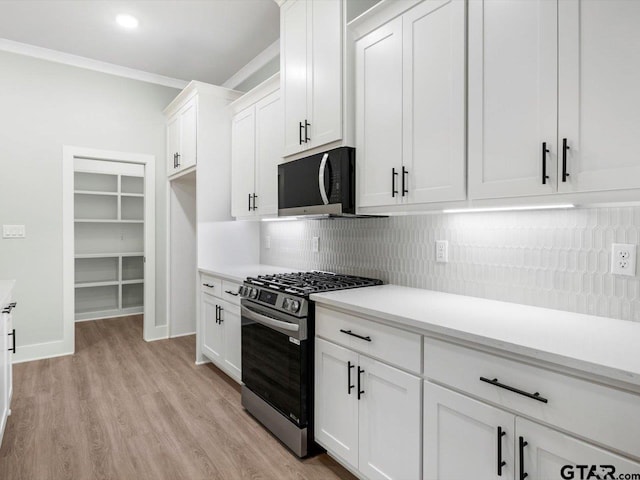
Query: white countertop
(238,273)
(6,292)
(595,345)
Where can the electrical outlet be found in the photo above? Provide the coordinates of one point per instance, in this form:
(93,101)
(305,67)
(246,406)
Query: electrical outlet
(442,251)
(623,259)
(315,244)
(267,242)
(13,231)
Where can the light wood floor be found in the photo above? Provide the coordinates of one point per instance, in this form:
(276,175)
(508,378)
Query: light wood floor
(121,408)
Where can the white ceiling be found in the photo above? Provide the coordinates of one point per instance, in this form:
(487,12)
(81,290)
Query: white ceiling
(206,40)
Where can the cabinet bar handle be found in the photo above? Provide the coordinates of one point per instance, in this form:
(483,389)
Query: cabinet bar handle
(177,159)
(404,172)
(306,133)
(521,445)
(217,316)
(349,386)
(501,462)
(249,204)
(300,127)
(565,147)
(360,391)
(349,332)
(235,294)
(534,396)
(394,174)
(545,150)
(255,207)
(220,319)
(13,334)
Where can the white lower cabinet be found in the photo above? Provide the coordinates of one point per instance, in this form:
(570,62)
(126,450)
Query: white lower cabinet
(367,413)
(464,438)
(218,334)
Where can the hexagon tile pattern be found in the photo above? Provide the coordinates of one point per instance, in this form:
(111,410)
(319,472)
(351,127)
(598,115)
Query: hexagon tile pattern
(549,258)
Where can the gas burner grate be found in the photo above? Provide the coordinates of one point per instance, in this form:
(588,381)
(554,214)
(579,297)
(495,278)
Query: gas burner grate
(306,283)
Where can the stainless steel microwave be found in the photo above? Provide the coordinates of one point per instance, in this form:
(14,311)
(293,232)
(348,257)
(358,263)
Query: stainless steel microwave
(323,184)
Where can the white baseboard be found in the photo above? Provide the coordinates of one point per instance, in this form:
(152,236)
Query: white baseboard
(183,334)
(41,351)
(152,334)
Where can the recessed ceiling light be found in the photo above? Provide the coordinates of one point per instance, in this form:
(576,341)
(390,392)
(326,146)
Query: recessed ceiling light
(127,21)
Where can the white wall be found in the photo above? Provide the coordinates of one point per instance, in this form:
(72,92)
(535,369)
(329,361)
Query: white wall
(47,105)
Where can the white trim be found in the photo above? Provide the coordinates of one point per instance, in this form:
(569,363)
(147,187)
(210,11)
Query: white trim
(89,64)
(260,60)
(69,153)
(183,334)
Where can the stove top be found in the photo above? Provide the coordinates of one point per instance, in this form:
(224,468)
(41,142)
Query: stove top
(306,283)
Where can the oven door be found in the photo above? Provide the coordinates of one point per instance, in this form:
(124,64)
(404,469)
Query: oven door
(275,360)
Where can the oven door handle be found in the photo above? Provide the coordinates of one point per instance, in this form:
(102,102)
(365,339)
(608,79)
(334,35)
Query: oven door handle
(270,322)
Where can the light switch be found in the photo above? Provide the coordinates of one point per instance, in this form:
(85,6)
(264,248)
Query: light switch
(13,231)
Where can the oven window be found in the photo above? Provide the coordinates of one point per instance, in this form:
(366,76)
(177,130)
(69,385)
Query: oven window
(274,368)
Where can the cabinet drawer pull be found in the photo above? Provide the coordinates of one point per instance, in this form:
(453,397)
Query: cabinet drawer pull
(235,294)
(545,150)
(565,147)
(349,332)
(349,386)
(495,382)
(307,139)
(521,445)
(360,391)
(13,334)
(394,174)
(208,285)
(405,191)
(501,462)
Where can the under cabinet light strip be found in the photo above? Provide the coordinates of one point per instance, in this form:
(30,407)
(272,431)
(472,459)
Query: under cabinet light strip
(508,209)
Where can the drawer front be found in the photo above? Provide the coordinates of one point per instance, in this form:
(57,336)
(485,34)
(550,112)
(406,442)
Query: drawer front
(230,292)
(211,285)
(389,344)
(602,414)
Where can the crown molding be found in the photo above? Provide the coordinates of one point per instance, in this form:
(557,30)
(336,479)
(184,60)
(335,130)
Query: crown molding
(264,57)
(89,64)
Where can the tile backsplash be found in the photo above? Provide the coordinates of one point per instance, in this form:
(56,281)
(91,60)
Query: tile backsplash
(549,258)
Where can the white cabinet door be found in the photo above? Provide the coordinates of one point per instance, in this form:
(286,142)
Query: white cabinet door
(4,373)
(551,455)
(599,112)
(294,73)
(173,143)
(461,437)
(188,134)
(512,97)
(336,400)
(389,422)
(379,115)
(230,321)
(434,123)
(212,331)
(242,162)
(324,86)
(268,153)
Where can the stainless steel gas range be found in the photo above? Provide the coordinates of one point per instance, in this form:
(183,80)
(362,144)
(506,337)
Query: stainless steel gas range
(277,350)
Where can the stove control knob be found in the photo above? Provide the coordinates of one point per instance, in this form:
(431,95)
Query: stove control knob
(286,304)
(253,293)
(242,291)
(295,306)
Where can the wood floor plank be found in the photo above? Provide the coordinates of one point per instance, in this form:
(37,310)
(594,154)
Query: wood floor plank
(125,409)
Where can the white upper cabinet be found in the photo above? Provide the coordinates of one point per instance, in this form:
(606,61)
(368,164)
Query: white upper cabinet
(512,98)
(433,123)
(311,66)
(243,130)
(182,134)
(410,107)
(268,153)
(256,151)
(599,74)
(379,115)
